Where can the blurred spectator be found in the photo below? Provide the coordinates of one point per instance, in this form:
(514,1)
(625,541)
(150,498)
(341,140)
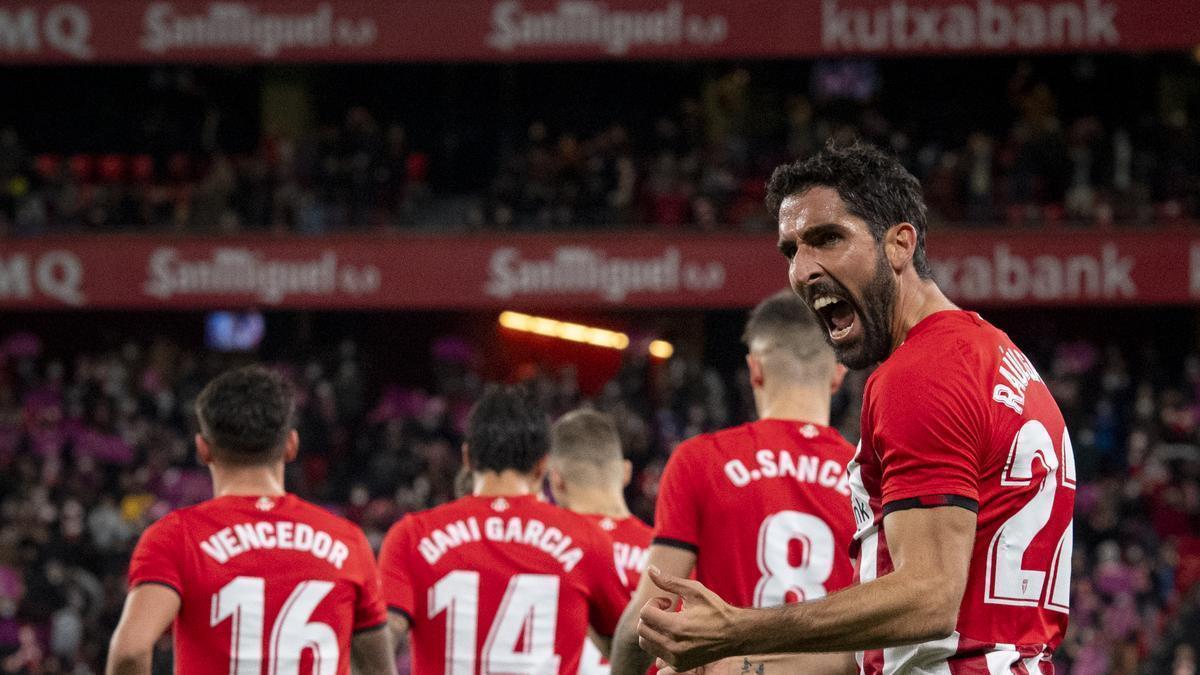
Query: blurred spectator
(1050,158)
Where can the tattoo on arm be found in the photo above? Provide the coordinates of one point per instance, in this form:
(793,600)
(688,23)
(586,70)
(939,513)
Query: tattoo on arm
(749,666)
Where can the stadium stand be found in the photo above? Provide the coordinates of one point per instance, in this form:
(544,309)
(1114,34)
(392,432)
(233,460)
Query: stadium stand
(1035,146)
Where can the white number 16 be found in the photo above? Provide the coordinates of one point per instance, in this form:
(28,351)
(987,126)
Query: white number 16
(242,600)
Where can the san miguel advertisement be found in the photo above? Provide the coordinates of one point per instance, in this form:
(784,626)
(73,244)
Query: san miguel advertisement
(87,31)
(552,271)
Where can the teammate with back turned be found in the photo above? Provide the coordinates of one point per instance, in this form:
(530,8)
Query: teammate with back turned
(761,511)
(500,581)
(254,578)
(964,482)
(588,474)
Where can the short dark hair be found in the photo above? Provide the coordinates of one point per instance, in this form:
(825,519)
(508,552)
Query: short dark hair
(246,414)
(588,441)
(874,185)
(784,321)
(506,430)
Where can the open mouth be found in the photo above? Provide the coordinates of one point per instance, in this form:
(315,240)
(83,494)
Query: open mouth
(837,313)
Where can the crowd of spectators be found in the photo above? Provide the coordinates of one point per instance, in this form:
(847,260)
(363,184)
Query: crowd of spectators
(95,445)
(699,163)
(339,177)
(704,167)
(1134,423)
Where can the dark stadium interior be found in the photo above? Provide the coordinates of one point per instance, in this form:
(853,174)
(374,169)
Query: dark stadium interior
(95,404)
(1027,141)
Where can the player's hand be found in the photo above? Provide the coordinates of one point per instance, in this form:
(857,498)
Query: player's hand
(701,633)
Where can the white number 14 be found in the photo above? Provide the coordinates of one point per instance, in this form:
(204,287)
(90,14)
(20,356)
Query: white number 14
(528,613)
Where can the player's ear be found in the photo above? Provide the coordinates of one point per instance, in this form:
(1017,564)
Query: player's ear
(754,363)
(291,447)
(627,472)
(839,375)
(558,484)
(899,245)
(539,470)
(203,450)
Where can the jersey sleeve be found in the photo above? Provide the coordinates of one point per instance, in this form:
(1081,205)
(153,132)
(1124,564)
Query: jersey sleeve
(395,573)
(156,559)
(677,509)
(609,594)
(928,433)
(369,611)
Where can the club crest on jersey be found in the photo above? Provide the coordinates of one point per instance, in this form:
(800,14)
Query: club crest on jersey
(809,431)
(501,504)
(608,525)
(1016,369)
(264,504)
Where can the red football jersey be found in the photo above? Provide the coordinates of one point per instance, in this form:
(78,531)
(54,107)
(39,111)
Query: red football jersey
(958,416)
(268,585)
(631,552)
(765,507)
(501,585)
(631,546)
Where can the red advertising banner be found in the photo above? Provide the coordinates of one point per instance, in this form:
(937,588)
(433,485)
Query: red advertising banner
(222,31)
(555,271)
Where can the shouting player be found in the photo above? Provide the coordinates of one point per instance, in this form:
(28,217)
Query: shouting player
(760,511)
(588,474)
(500,581)
(964,482)
(255,580)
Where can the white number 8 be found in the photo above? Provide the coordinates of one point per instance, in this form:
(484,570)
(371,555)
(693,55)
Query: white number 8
(805,577)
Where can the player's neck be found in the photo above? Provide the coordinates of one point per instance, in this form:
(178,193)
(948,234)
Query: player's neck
(508,483)
(598,501)
(806,404)
(915,303)
(247,481)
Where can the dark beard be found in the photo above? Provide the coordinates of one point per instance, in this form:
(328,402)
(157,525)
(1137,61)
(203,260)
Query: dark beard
(875,311)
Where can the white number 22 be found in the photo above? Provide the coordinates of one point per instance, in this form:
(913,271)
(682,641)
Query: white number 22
(1008,582)
(242,601)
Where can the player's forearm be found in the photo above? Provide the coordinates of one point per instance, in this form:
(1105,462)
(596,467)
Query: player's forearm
(129,662)
(627,657)
(604,643)
(783,664)
(398,630)
(836,663)
(897,609)
(371,653)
